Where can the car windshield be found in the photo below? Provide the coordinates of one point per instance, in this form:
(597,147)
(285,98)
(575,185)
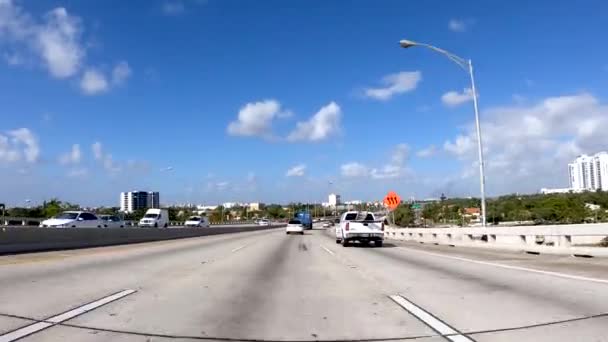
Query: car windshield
(67,216)
(303,170)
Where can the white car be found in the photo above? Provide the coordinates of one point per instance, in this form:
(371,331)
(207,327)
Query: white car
(264,222)
(157,218)
(294,226)
(326,224)
(112,221)
(197,221)
(73,219)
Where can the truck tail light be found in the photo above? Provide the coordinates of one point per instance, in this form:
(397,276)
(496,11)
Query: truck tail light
(347,226)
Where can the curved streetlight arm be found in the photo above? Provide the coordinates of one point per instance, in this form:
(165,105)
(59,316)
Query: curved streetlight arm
(463,63)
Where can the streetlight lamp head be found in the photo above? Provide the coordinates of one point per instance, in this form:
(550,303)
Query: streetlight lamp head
(407,43)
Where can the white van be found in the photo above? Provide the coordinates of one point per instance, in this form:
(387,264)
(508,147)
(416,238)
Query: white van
(155,218)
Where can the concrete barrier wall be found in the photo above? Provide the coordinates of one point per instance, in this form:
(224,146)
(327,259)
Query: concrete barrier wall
(551,239)
(27,239)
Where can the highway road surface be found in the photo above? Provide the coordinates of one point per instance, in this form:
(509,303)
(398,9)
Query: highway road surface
(269,286)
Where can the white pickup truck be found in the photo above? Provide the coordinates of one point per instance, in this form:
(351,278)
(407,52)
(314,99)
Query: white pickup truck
(359,226)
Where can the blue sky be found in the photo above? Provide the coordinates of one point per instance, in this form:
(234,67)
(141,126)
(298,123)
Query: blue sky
(151,92)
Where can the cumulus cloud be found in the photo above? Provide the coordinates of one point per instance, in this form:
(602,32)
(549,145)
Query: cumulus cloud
(120,73)
(19,145)
(105,159)
(255,119)
(296,171)
(427,152)
(71,158)
(354,169)
(322,125)
(394,84)
(78,172)
(395,168)
(97,150)
(93,82)
(528,147)
(55,40)
(458,25)
(454,98)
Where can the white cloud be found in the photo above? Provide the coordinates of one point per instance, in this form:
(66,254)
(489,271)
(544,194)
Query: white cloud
(166,169)
(121,73)
(320,126)
(354,169)
(395,168)
(173,7)
(398,83)
(454,98)
(427,152)
(72,157)
(59,43)
(78,172)
(255,119)
(105,159)
(97,150)
(93,82)
(19,144)
(296,171)
(528,147)
(458,25)
(54,41)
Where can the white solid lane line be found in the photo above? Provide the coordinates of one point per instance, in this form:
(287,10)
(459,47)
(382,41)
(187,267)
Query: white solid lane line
(327,250)
(239,248)
(47,323)
(430,320)
(518,268)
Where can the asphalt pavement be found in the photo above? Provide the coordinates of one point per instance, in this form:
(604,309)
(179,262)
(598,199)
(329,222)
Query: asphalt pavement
(267,285)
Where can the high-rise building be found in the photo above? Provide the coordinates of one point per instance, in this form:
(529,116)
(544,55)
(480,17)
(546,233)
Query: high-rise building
(133,200)
(589,172)
(334,200)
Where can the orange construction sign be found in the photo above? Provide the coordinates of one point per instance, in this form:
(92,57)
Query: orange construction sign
(392,200)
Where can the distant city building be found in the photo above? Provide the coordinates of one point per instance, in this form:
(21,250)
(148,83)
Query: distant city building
(256,206)
(334,200)
(589,172)
(546,191)
(134,200)
(206,207)
(355,202)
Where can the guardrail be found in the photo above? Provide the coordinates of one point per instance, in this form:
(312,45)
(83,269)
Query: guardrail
(30,239)
(574,239)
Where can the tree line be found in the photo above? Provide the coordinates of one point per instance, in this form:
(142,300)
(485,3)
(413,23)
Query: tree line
(567,208)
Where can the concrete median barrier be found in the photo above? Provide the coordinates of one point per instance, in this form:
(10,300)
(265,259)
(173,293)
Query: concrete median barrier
(29,239)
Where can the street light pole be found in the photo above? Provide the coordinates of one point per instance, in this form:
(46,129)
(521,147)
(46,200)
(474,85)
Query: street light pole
(466,65)
(482,180)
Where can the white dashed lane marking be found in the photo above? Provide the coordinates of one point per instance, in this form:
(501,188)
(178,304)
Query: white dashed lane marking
(57,319)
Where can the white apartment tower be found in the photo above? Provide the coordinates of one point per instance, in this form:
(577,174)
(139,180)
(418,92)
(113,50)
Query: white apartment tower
(334,200)
(589,172)
(134,200)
